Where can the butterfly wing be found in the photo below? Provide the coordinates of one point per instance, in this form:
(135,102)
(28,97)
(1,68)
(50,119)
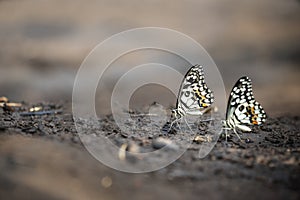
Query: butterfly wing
(242,108)
(194,95)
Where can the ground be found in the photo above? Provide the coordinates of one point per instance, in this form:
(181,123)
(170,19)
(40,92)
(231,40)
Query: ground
(43,157)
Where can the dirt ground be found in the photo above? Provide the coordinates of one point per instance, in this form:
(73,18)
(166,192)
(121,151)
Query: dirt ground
(42,157)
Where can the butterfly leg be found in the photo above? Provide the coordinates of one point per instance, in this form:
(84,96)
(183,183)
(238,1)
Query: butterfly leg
(177,122)
(224,131)
(171,126)
(172,123)
(187,124)
(234,130)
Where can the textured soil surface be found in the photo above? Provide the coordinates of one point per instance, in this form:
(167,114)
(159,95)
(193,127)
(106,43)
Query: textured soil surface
(42,157)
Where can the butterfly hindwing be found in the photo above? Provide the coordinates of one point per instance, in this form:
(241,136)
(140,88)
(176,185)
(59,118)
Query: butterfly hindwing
(194,95)
(242,108)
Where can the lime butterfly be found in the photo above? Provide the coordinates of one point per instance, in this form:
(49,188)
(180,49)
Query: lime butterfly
(242,108)
(194,96)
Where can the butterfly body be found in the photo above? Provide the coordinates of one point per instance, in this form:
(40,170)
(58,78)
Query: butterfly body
(194,96)
(242,109)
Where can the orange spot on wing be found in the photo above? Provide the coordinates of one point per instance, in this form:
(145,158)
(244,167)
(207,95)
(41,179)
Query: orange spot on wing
(253,110)
(254,121)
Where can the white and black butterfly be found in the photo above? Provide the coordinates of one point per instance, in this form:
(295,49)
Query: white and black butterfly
(194,96)
(242,109)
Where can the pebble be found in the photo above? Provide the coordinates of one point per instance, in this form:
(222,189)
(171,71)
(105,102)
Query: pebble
(75,139)
(160,142)
(248,140)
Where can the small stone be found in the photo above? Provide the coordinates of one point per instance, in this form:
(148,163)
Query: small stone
(133,148)
(160,142)
(248,140)
(75,139)
(129,151)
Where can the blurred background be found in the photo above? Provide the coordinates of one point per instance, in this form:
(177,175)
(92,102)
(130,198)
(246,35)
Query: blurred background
(43,43)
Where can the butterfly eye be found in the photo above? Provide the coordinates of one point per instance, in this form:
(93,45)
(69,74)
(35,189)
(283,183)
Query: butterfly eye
(187,93)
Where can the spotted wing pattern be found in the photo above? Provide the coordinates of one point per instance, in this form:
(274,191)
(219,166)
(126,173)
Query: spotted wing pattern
(242,108)
(194,95)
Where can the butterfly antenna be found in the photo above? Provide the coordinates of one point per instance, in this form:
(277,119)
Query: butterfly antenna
(226,135)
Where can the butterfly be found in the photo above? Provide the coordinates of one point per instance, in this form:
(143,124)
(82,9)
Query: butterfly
(194,96)
(242,109)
